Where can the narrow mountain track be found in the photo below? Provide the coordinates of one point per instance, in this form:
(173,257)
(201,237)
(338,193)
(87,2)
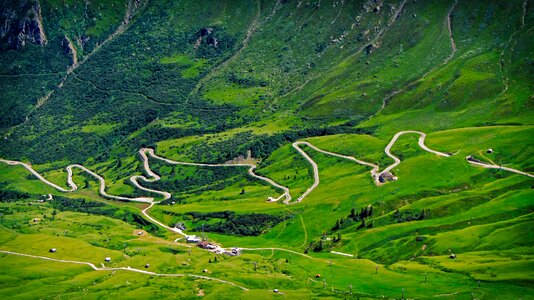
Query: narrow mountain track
(128,269)
(305,231)
(252,28)
(132,93)
(477,163)
(451,38)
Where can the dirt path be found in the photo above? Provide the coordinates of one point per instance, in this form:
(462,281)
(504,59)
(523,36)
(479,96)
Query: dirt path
(129,269)
(451,38)
(132,93)
(305,231)
(253,27)
(478,163)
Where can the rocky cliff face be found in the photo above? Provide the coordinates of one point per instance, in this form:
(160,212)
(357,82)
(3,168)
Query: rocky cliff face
(70,50)
(21,22)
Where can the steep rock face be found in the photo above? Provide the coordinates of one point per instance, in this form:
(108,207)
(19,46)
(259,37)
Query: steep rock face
(70,50)
(20,23)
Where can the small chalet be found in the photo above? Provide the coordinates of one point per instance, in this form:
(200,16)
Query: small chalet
(386,176)
(206,245)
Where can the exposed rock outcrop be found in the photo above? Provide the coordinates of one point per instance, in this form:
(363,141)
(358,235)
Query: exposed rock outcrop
(22,23)
(371,47)
(205,35)
(70,50)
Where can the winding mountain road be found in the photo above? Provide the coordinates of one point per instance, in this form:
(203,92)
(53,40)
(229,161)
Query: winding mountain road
(152,176)
(251,169)
(72,184)
(316,179)
(166,195)
(421,144)
(361,162)
(375,168)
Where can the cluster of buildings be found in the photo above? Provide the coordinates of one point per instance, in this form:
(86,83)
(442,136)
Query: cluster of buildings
(212,246)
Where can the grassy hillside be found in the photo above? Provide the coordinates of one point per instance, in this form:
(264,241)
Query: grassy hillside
(204,81)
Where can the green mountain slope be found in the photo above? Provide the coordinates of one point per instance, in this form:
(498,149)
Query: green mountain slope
(93,82)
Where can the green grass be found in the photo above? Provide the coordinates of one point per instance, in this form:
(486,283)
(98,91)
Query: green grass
(298,74)
(191,67)
(100,128)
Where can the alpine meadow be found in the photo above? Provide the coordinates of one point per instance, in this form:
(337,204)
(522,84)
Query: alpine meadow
(266,149)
